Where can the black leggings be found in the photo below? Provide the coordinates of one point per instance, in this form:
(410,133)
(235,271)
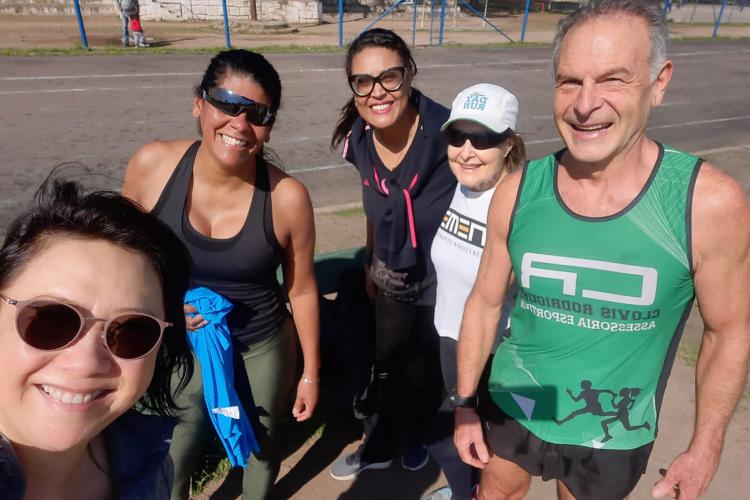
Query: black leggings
(408,379)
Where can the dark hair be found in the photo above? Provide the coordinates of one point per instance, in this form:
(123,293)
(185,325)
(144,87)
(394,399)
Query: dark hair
(377,37)
(246,63)
(61,209)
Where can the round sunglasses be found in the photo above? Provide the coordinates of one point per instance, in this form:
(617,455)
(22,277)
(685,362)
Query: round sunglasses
(479,140)
(390,79)
(51,324)
(233,104)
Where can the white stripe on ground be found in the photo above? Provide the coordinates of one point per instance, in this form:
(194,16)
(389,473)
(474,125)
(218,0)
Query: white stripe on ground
(724,149)
(358,204)
(336,208)
(58,91)
(557,139)
(326,70)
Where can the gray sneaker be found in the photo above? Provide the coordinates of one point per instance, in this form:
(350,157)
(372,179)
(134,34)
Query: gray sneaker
(349,466)
(442,493)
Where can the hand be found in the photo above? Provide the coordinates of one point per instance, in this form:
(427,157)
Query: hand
(193,321)
(688,476)
(469,439)
(307,398)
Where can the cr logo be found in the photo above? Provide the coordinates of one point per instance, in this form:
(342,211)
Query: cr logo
(649,277)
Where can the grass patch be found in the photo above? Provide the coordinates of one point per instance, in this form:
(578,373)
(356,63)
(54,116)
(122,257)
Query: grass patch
(688,352)
(350,212)
(213,468)
(158,51)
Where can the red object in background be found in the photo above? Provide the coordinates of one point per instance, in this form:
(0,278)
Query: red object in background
(135,24)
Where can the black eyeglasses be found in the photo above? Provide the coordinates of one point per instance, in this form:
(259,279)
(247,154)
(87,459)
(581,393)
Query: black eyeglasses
(233,104)
(390,79)
(480,140)
(50,325)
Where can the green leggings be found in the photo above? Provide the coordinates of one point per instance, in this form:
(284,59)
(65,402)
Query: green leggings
(271,367)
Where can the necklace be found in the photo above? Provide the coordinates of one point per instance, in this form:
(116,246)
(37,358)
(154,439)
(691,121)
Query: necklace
(390,159)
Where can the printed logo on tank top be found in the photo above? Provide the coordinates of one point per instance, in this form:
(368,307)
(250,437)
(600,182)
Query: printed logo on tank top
(619,295)
(466,229)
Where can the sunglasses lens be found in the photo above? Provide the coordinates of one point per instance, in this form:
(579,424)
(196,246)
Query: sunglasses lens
(48,325)
(483,141)
(133,336)
(257,114)
(234,104)
(228,108)
(479,140)
(456,138)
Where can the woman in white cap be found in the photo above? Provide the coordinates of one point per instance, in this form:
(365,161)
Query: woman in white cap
(482,147)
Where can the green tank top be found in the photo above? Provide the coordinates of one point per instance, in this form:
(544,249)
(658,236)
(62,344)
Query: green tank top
(601,307)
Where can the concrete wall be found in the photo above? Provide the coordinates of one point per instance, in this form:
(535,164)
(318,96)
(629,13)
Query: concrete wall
(291,11)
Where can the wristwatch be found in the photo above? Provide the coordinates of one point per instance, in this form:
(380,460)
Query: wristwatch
(461,401)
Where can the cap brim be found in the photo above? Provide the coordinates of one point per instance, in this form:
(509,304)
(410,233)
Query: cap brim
(472,120)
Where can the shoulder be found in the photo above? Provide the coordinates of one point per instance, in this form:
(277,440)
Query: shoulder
(149,170)
(720,212)
(433,113)
(287,193)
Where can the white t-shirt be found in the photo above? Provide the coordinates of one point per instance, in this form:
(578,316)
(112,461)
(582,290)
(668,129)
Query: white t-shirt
(456,252)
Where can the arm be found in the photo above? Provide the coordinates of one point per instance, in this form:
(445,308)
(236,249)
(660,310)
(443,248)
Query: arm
(481,315)
(146,175)
(721,250)
(297,227)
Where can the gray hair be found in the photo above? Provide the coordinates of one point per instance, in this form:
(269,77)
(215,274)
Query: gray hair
(647,10)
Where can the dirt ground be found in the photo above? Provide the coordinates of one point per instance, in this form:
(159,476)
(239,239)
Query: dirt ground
(305,475)
(103,31)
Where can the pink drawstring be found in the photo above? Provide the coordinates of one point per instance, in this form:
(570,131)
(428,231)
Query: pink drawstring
(346,145)
(410,212)
(383,188)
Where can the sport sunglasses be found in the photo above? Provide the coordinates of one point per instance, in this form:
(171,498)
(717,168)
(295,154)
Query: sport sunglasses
(480,140)
(390,79)
(233,104)
(51,325)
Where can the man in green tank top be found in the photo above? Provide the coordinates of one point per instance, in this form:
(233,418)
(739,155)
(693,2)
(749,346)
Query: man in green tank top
(610,240)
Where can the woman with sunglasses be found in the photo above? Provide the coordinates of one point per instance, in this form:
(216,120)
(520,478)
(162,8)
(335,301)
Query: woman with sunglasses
(391,135)
(240,217)
(482,148)
(91,326)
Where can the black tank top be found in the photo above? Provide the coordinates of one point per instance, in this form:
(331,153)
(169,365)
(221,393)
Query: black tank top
(241,268)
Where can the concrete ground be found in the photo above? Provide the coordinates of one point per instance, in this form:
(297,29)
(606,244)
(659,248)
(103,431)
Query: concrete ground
(97,110)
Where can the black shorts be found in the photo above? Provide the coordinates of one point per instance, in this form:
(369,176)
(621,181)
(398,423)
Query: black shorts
(589,473)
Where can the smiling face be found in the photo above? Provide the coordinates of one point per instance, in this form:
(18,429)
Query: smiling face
(476,169)
(382,108)
(603,90)
(232,140)
(60,400)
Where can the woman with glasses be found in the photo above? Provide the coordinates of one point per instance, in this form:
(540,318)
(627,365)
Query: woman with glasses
(391,134)
(91,327)
(482,147)
(240,217)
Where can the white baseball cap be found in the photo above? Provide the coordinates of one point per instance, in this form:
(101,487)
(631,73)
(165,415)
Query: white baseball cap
(486,104)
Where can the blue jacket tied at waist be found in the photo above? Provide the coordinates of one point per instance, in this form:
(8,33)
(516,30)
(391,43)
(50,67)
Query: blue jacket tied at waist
(212,345)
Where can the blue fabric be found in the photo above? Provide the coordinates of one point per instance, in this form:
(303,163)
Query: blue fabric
(138,447)
(212,345)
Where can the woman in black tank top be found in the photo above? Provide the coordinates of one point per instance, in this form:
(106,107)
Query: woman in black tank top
(240,218)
